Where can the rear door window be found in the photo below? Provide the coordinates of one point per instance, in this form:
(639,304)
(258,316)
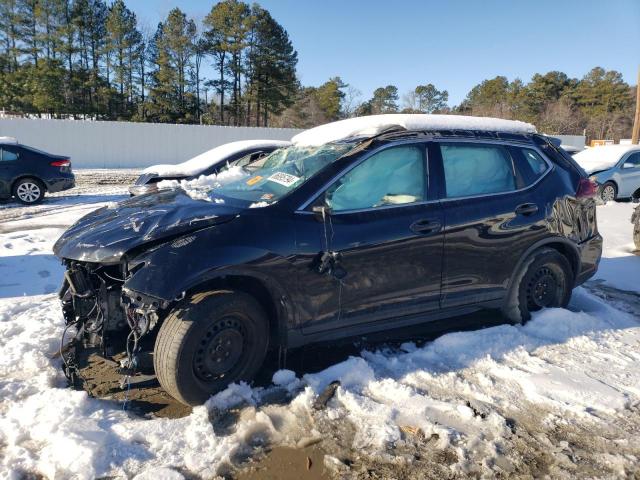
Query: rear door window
(7,156)
(476,169)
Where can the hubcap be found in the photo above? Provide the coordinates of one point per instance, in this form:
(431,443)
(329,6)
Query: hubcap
(608,193)
(543,289)
(219,350)
(28,192)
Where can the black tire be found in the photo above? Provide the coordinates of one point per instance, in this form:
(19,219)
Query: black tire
(29,190)
(208,341)
(545,280)
(608,192)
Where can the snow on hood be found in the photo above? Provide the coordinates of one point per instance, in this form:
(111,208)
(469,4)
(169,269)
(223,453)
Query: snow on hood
(199,163)
(374,124)
(603,157)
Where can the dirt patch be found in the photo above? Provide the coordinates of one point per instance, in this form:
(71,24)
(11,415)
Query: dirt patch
(142,395)
(287,463)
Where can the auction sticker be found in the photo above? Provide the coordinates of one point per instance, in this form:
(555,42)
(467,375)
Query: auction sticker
(253,180)
(284,179)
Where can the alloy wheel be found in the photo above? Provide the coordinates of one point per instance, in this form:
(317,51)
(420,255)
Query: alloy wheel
(608,193)
(28,192)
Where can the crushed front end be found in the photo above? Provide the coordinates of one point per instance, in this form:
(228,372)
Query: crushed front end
(107,318)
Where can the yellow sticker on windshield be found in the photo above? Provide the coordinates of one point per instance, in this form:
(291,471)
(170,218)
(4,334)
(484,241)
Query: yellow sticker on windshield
(254,180)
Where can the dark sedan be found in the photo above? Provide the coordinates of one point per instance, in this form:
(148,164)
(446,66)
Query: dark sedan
(27,173)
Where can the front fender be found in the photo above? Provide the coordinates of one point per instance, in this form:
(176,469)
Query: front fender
(257,247)
(167,272)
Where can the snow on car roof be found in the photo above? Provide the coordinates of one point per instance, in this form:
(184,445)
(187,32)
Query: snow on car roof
(201,162)
(603,157)
(10,140)
(373,124)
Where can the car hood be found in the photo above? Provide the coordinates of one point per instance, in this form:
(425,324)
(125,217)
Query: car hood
(106,234)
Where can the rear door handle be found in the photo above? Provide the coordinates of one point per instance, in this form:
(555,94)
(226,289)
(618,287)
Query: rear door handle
(425,227)
(526,209)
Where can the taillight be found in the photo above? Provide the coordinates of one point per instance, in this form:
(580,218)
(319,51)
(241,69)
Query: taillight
(61,163)
(587,188)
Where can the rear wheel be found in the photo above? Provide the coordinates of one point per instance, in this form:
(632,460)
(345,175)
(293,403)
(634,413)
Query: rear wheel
(29,191)
(544,281)
(608,192)
(208,341)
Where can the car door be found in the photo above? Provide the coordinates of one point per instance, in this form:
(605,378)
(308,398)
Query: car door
(490,218)
(629,175)
(376,251)
(9,158)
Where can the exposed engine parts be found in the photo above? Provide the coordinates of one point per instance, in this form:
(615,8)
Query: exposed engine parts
(105,315)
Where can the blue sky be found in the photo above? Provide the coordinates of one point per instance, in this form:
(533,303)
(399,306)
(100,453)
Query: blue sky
(453,44)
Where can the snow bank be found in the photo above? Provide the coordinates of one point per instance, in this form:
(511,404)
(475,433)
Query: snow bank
(602,157)
(373,124)
(562,361)
(199,163)
(619,266)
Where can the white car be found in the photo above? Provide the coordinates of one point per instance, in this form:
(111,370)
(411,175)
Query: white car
(210,162)
(616,169)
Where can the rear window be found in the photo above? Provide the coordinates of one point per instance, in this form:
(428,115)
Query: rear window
(476,169)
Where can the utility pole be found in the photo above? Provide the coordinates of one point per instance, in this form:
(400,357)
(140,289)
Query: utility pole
(636,120)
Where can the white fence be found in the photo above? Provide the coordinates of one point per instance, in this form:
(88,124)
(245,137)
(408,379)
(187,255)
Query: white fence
(126,144)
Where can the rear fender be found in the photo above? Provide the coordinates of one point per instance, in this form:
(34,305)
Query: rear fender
(563,245)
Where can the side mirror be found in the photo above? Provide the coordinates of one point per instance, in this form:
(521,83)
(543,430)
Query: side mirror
(630,165)
(323,209)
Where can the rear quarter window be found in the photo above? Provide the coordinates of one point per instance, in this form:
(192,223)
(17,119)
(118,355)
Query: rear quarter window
(529,164)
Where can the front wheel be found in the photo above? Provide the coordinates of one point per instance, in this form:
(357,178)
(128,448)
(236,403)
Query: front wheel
(208,341)
(608,192)
(545,281)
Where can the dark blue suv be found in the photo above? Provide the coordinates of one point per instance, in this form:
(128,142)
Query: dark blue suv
(361,226)
(27,173)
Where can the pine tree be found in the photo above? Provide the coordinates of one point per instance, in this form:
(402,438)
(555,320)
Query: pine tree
(123,39)
(273,67)
(170,98)
(228,25)
(384,100)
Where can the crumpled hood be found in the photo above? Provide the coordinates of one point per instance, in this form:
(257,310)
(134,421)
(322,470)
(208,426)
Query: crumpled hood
(106,234)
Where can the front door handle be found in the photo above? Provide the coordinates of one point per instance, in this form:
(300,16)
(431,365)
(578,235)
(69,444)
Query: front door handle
(426,227)
(526,209)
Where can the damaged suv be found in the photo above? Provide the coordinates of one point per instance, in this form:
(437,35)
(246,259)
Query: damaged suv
(360,226)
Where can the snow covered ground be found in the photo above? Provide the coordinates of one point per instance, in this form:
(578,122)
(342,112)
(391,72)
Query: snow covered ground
(558,397)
